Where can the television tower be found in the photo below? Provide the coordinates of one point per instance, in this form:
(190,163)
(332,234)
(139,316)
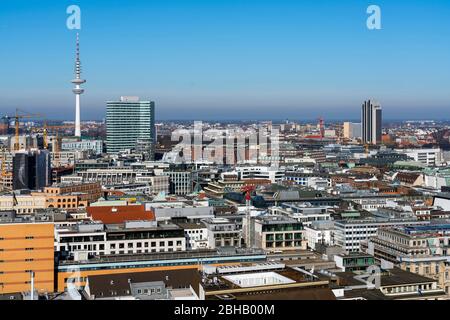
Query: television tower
(78,90)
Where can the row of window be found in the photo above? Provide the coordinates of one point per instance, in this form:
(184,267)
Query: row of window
(130,245)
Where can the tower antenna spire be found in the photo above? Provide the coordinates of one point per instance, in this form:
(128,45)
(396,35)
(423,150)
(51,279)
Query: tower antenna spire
(78,91)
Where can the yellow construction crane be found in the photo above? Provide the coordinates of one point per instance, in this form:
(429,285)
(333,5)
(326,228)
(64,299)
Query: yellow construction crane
(24,115)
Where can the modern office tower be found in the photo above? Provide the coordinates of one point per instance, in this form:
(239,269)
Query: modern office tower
(352,130)
(78,91)
(127,122)
(31,170)
(371,120)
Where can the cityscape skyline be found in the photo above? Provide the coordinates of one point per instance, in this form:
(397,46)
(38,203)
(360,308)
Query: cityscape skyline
(233,152)
(223,73)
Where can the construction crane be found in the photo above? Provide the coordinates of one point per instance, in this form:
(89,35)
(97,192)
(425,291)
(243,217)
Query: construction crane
(18,116)
(322,127)
(248,189)
(56,150)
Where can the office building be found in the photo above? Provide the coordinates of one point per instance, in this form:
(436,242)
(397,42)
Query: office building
(349,234)
(429,157)
(31,170)
(94,146)
(352,130)
(23,203)
(277,232)
(26,250)
(127,122)
(418,249)
(371,119)
(222,233)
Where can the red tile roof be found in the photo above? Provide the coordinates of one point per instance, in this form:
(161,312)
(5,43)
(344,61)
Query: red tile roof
(119,214)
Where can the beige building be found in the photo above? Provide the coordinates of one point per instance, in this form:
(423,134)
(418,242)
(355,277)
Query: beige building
(418,249)
(351,130)
(25,203)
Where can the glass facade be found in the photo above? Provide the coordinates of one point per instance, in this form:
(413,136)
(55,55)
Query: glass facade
(128,121)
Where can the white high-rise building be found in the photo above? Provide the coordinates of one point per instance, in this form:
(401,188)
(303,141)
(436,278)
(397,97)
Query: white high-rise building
(130,122)
(78,90)
(352,130)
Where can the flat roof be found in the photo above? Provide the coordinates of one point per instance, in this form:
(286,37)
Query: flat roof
(257,279)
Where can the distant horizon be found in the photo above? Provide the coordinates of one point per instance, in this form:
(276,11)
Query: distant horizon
(249,59)
(331,120)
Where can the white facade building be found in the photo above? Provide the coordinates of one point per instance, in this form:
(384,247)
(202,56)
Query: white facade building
(135,237)
(96,146)
(428,157)
(275,175)
(196,235)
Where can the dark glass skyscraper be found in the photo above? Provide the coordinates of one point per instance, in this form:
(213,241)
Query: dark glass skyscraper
(31,170)
(371,120)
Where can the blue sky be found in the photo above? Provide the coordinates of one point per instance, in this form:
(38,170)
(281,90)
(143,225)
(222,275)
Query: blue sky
(249,59)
